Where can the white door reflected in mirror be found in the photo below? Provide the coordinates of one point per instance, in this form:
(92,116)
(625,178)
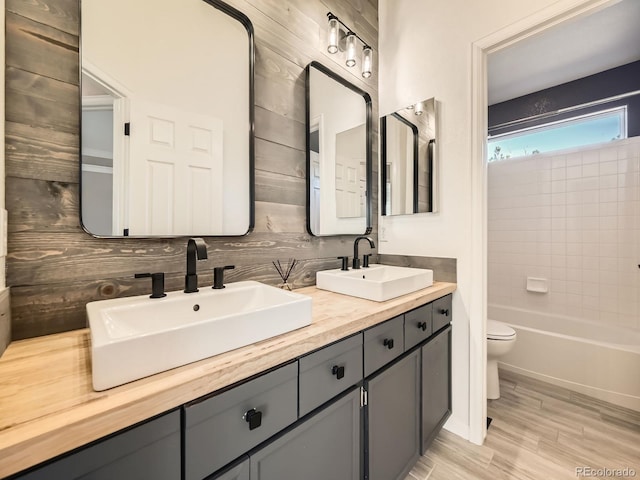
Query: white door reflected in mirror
(166,118)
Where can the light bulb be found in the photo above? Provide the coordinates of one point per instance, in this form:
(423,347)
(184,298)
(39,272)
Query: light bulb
(351,49)
(367,61)
(334,31)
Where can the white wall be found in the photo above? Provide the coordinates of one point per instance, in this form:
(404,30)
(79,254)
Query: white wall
(426,51)
(572,218)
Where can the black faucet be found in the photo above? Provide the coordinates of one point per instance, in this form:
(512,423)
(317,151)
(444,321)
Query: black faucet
(356,260)
(196,250)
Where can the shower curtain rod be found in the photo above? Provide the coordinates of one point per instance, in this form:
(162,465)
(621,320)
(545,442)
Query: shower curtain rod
(560,111)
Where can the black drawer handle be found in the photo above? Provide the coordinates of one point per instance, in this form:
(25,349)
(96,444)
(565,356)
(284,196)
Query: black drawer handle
(445,312)
(422,326)
(254,418)
(388,342)
(338,371)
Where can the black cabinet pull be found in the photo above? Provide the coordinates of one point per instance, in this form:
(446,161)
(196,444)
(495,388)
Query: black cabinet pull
(338,371)
(388,342)
(445,312)
(254,418)
(422,326)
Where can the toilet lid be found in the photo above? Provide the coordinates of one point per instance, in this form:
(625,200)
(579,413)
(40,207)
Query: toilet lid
(499,331)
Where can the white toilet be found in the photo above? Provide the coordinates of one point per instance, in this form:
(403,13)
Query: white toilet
(500,340)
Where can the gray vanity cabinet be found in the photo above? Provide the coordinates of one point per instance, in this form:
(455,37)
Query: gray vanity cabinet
(325,446)
(149,450)
(393,411)
(436,385)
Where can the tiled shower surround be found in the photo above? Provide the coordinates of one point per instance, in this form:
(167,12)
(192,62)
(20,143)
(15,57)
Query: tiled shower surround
(573,218)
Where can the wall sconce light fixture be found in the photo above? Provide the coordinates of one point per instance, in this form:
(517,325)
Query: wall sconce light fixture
(336,35)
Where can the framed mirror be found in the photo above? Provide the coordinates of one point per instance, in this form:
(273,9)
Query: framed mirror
(167,115)
(338,121)
(408,160)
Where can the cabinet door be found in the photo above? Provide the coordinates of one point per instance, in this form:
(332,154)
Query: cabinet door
(436,385)
(240,471)
(325,446)
(150,450)
(393,411)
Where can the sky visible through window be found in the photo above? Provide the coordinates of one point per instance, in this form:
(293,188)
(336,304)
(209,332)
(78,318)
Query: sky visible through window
(589,130)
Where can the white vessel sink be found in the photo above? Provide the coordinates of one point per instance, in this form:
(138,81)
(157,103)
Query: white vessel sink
(135,337)
(378,282)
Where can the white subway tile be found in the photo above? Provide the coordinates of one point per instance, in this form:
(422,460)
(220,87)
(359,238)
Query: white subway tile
(609,168)
(590,170)
(608,154)
(608,181)
(573,300)
(574,287)
(590,157)
(609,195)
(575,172)
(574,274)
(574,159)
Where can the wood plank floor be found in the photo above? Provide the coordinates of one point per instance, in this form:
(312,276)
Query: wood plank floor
(539,432)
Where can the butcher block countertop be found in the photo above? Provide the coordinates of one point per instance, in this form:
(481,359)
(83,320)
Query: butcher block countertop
(48,406)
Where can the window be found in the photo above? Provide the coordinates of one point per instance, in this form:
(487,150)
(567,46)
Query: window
(603,126)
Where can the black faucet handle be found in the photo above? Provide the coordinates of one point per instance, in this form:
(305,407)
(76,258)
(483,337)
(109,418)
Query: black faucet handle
(365,260)
(157,283)
(218,276)
(345,263)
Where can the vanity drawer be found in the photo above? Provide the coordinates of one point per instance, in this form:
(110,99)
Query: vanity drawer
(441,312)
(218,430)
(149,450)
(329,371)
(383,343)
(417,325)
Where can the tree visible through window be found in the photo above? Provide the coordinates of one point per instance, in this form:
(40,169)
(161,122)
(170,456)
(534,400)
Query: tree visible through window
(590,129)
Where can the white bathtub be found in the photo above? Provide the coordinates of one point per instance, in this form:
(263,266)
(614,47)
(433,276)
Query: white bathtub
(581,356)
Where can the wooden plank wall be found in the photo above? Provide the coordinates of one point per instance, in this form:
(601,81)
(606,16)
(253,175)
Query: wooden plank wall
(54,267)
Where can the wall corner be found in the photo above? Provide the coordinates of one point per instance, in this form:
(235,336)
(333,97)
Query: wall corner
(5,320)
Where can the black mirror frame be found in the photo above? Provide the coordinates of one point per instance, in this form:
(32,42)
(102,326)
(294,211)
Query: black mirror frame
(246,22)
(369,147)
(383,161)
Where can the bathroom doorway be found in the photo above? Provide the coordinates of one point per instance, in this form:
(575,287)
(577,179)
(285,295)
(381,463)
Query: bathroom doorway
(544,24)
(562,216)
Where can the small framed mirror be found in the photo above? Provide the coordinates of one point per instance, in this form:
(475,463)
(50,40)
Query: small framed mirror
(338,122)
(408,160)
(167,113)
